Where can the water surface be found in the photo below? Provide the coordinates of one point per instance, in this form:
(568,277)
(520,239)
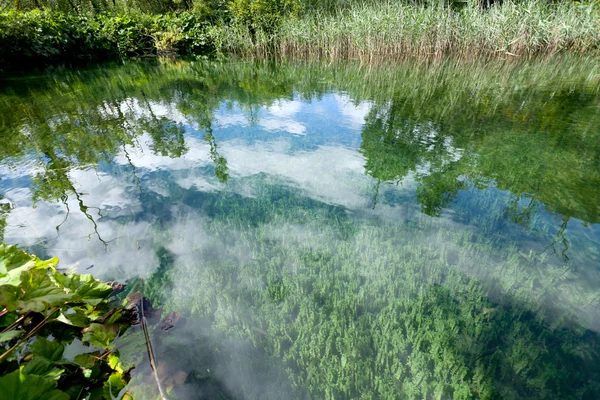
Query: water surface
(328,231)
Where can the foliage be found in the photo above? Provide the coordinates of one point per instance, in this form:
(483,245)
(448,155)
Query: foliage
(266,15)
(45,311)
(44,37)
(66,32)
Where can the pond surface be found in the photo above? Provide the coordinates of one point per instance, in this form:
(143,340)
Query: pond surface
(328,231)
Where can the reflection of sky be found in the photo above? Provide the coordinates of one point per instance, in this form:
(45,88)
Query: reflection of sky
(305,144)
(332,119)
(308,146)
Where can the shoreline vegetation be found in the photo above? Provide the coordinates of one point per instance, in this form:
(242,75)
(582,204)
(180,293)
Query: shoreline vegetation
(52,32)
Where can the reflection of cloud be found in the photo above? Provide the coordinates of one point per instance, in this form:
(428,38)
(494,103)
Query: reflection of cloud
(199,183)
(141,155)
(98,189)
(280,117)
(27,226)
(76,242)
(332,174)
(223,120)
(287,125)
(354,114)
(285,108)
(14,169)
(129,253)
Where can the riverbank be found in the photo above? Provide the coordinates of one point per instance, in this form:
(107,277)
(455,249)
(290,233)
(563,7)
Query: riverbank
(369,32)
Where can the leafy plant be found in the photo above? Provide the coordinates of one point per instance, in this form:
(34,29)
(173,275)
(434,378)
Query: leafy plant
(44,312)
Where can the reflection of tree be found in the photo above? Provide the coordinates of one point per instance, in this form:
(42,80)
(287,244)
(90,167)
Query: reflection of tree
(444,135)
(5,208)
(518,214)
(395,146)
(221,169)
(167,136)
(54,183)
(561,237)
(538,153)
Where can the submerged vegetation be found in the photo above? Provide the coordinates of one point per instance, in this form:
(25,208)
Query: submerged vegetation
(43,32)
(467,275)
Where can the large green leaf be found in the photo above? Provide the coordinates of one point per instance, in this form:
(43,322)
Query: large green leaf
(87,360)
(13,277)
(19,386)
(77,318)
(39,292)
(99,335)
(9,297)
(51,350)
(114,385)
(11,258)
(13,262)
(87,288)
(41,366)
(6,336)
(8,318)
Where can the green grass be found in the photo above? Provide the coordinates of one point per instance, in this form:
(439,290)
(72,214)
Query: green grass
(395,30)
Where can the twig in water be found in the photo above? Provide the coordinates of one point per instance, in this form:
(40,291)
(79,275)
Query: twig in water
(149,347)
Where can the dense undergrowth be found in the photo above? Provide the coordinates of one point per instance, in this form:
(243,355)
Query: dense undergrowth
(43,37)
(366,31)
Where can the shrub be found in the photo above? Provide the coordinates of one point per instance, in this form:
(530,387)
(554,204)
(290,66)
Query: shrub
(44,37)
(266,15)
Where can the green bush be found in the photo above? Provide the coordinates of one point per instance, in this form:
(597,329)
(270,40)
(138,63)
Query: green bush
(266,15)
(44,37)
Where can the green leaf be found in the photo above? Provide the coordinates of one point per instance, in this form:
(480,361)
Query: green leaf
(114,385)
(114,362)
(11,257)
(74,391)
(9,296)
(13,277)
(78,318)
(40,292)
(42,367)
(13,262)
(87,360)
(99,335)
(87,373)
(51,350)
(8,318)
(18,386)
(6,336)
(87,288)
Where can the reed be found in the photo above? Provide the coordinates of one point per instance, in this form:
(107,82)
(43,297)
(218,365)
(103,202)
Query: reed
(398,30)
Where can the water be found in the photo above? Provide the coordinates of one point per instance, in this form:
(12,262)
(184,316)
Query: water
(327,230)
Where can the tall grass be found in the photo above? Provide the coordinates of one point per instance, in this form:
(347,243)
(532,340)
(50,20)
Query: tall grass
(398,30)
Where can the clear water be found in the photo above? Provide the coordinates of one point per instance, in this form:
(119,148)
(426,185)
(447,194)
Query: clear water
(328,231)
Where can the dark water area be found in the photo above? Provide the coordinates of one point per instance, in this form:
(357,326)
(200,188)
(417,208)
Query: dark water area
(327,230)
